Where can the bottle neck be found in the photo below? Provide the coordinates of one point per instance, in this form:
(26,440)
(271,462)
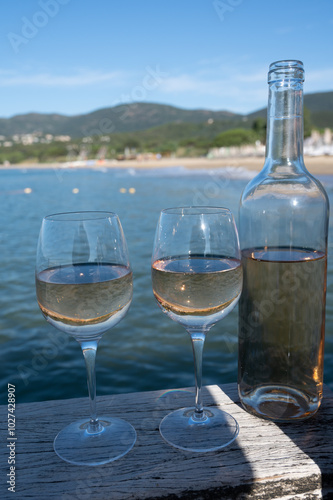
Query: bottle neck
(284,144)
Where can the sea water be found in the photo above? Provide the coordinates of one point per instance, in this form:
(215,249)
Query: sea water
(146,350)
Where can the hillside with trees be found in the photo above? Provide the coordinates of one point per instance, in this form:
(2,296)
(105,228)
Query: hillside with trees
(139,128)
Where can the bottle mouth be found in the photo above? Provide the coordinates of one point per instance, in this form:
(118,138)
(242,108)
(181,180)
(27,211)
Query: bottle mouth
(286,70)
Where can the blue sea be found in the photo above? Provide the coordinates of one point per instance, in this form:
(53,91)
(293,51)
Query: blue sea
(146,350)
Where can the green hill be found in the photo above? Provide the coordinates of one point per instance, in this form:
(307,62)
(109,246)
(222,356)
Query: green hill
(124,118)
(320,106)
(319,102)
(135,117)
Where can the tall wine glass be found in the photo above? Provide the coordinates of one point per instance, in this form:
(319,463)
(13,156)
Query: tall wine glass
(197,280)
(84,288)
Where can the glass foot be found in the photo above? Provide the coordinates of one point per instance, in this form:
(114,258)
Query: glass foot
(214,431)
(113,439)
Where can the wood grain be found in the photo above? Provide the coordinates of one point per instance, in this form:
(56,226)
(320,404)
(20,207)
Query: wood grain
(267,461)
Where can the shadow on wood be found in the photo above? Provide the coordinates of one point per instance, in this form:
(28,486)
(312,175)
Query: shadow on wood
(265,461)
(315,438)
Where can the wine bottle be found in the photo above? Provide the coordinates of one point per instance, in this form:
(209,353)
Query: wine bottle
(283,225)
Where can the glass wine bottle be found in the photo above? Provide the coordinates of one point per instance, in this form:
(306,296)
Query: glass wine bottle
(283,227)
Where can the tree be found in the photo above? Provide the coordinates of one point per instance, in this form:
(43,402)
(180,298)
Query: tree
(132,143)
(307,122)
(235,137)
(259,126)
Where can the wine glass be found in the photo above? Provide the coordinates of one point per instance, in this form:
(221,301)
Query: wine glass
(84,287)
(197,280)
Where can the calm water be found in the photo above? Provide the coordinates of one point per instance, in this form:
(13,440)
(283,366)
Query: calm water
(146,351)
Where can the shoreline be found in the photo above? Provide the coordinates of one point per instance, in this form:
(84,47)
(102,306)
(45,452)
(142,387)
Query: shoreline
(317,165)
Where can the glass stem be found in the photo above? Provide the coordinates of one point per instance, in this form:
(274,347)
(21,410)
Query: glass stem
(198,340)
(89,350)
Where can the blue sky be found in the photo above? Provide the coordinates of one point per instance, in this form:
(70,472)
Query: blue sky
(75,56)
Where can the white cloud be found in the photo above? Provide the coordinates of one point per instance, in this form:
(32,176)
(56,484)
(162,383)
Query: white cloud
(233,89)
(218,84)
(181,83)
(239,92)
(320,76)
(78,79)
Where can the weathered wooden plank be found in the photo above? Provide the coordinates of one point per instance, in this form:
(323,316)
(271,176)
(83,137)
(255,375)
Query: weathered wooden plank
(266,461)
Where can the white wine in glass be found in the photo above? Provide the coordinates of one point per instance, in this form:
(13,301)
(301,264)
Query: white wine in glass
(197,280)
(84,288)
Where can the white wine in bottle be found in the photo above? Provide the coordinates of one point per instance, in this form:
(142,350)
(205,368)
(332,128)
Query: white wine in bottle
(283,228)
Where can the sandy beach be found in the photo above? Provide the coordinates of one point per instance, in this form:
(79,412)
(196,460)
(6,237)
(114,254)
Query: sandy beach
(318,165)
(321,165)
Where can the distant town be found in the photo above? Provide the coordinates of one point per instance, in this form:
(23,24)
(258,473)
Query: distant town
(317,144)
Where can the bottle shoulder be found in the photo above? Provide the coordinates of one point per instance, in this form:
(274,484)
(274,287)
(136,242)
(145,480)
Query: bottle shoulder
(283,183)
